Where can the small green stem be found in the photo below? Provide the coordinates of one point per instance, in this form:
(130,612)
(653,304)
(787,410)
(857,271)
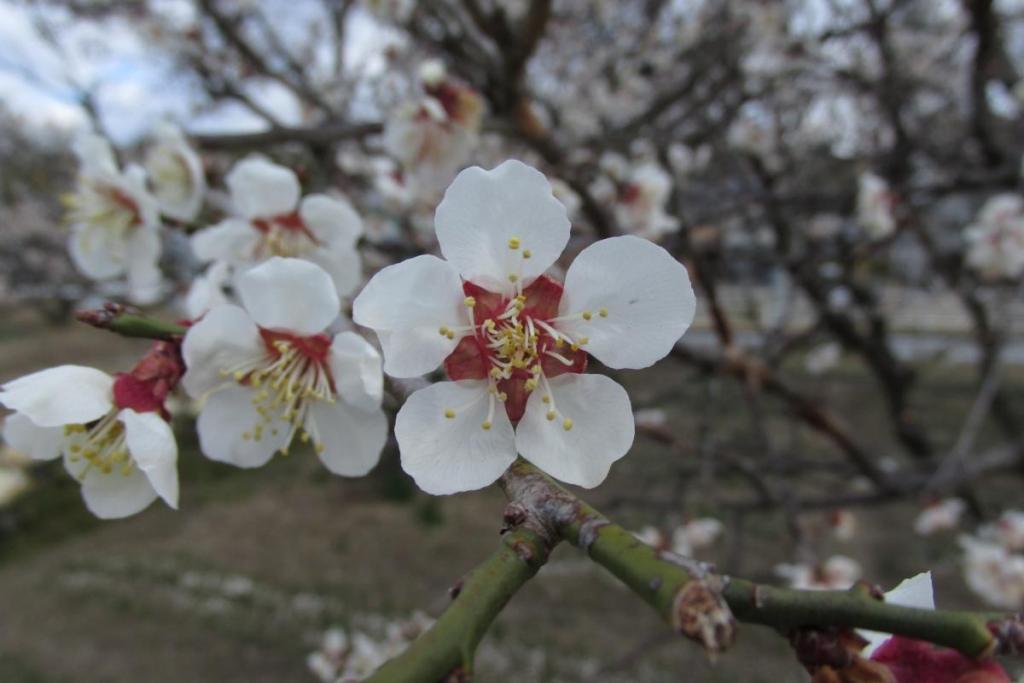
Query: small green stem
(117,319)
(452,641)
(786,609)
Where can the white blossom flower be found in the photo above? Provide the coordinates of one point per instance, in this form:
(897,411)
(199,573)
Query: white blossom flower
(433,137)
(876,205)
(207,290)
(823,358)
(111,432)
(514,340)
(640,205)
(695,534)
(916,591)
(843,523)
(836,573)
(652,536)
(175,174)
(943,515)
(271,374)
(272,221)
(114,221)
(994,572)
(996,239)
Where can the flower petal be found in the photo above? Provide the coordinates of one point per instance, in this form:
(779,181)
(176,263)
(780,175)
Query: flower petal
(483,210)
(27,438)
(352,438)
(332,221)
(113,495)
(917,591)
(407,304)
(66,394)
(342,264)
(261,189)
(355,367)
(645,293)
(224,339)
(290,294)
(152,446)
(144,275)
(448,455)
(232,240)
(96,252)
(224,420)
(601,431)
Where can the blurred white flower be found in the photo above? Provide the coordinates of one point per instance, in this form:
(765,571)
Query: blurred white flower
(995,241)
(843,523)
(114,221)
(836,573)
(271,374)
(695,534)
(876,206)
(271,221)
(641,200)
(175,174)
(346,657)
(993,572)
(433,137)
(943,515)
(504,329)
(823,358)
(111,432)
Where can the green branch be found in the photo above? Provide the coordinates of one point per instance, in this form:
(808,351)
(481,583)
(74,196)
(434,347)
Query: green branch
(117,318)
(451,643)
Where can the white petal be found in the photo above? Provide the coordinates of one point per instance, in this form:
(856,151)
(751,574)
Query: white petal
(407,304)
(144,276)
(224,339)
(332,221)
(38,443)
(646,293)
(96,252)
(290,294)
(483,210)
(152,445)
(355,366)
(66,394)
(207,290)
(232,240)
(113,495)
(95,154)
(342,264)
(261,189)
(602,429)
(223,421)
(448,455)
(917,591)
(352,438)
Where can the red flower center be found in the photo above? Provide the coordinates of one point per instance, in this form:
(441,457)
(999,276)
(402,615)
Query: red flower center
(514,344)
(286,234)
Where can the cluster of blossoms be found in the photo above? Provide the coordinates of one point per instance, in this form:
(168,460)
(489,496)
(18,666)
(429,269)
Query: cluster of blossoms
(351,657)
(685,538)
(515,341)
(270,218)
(994,561)
(638,194)
(995,241)
(836,573)
(876,206)
(115,214)
(112,432)
(433,136)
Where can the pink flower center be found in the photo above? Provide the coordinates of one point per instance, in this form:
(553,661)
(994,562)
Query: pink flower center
(514,344)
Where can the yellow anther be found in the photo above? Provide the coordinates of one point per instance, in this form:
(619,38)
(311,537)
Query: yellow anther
(550,415)
(502,396)
(512,277)
(450,335)
(603,312)
(486,425)
(319,448)
(449,413)
(514,243)
(469,301)
(567,424)
(527,253)
(239,375)
(530,384)
(443,331)
(583,340)
(247,436)
(587,315)
(546,398)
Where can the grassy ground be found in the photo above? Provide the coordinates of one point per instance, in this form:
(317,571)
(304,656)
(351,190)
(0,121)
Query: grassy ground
(240,583)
